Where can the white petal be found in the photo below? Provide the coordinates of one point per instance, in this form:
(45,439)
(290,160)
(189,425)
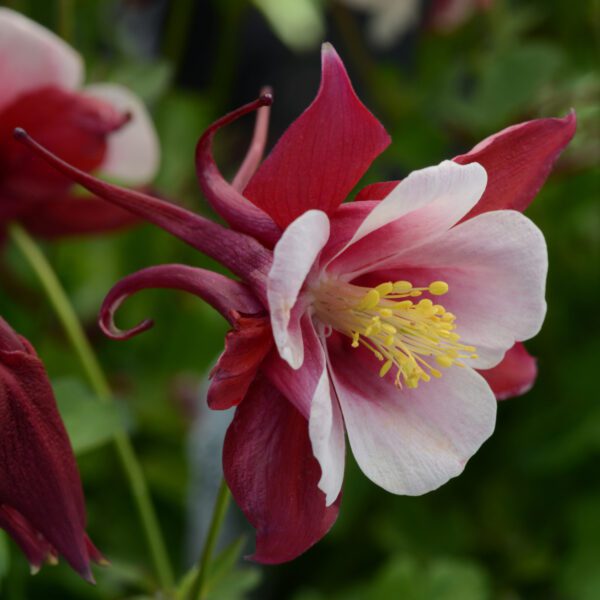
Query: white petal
(496,266)
(425,204)
(326,430)
(133,152)
(413,441)
(32,57)
(293,258)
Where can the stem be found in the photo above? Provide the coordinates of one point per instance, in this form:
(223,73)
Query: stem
(99,383)
(65,19)
(222,502)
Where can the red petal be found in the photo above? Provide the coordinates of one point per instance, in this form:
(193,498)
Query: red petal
(376,191)
(273,476)
(71,215)
(514,376)
(38,474)
(518,160)
(245,348)
(71,125)
(323,154)
(242,254)
(222,293)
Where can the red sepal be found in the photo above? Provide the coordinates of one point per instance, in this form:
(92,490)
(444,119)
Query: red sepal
(273,475)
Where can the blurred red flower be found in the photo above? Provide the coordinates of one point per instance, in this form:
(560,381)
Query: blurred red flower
(102,127)
(41,499)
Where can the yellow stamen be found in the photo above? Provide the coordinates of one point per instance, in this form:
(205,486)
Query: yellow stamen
(401,334)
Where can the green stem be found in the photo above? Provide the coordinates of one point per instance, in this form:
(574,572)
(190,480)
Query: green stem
(65,19)
(222,502)
(99,383)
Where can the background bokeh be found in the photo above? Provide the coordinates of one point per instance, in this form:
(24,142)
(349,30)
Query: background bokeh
(523,521)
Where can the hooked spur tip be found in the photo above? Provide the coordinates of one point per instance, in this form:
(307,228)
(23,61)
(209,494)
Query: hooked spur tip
(20,134)
(266,96)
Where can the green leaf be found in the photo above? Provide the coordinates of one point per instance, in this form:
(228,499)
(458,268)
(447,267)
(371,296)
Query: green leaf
(89,422)
(298,23)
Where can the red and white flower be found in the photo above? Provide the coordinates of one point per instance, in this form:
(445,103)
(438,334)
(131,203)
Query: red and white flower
(100,127)
(386,313)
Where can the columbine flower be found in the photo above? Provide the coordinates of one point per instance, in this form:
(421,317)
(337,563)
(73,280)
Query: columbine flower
(101,127)
(380,309)
(41,500)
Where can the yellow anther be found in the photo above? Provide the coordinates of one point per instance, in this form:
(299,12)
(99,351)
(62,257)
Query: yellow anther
(444,361)
(438,288)
(383,289)
(370,301)
(402,287)
(387,365)
(411,336)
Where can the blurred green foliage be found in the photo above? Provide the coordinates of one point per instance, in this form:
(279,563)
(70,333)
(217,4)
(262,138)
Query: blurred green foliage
(524,519)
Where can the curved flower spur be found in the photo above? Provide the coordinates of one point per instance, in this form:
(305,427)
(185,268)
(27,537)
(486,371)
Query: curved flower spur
(375,317)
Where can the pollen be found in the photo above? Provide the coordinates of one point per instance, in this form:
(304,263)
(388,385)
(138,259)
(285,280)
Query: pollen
(411,338)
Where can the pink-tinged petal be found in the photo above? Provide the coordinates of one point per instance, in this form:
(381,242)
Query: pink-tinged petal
(72,125)
(256,150)
(246,345)
(495,265)
(518,160)
(273,476)
(308,389)
(422,206)
(32,57)
(293,258)
(323,154)
(410,441)
(223,294)
(73,215)
(224,197)
(133,152)
(326,431)
(38,474)
(241,254)
(514,376)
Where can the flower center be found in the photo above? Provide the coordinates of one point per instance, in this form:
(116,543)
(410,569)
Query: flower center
(403,335)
